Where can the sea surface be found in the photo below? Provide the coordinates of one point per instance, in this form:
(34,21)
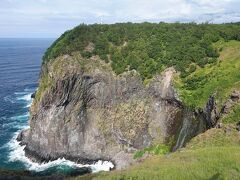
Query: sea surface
(20,63)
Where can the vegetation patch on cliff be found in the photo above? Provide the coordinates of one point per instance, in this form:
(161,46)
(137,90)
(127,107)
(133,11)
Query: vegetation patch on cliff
(220,78)
(233,116)
(44,84)
(159,149)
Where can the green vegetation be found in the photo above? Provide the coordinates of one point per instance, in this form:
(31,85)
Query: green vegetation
(204,163)
(44,84)
(160,149)
(220,78)
(233,116)
(147,47)
(212,155)
(227,136)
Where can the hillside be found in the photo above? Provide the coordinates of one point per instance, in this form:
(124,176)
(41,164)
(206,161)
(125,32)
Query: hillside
(220,78)
(119,92)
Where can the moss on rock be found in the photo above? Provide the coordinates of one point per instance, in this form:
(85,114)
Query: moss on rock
(125,120)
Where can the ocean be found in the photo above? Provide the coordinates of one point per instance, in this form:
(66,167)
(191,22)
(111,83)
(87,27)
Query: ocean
(20,63)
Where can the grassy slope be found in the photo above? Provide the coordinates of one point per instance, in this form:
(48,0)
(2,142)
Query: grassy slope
(212,155)
(233,116)
(220,78)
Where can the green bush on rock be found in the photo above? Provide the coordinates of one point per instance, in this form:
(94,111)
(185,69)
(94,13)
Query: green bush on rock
(159,149)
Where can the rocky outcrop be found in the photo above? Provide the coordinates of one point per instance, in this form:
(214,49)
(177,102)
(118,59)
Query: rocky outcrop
(213,113)
(233,99)
(210,115)
(84,112)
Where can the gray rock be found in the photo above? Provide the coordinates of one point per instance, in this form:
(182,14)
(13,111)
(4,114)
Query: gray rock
(235,96)
(231,102)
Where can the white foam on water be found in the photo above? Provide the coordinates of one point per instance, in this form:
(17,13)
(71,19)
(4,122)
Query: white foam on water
(28,105)
(9,99)
(26,97)
(102,166)
(20,93)
(21,117)
(17,154)
(18,122)
(29,89)
(9,125)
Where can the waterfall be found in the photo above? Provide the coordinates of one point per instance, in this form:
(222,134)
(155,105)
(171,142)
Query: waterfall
(186,130)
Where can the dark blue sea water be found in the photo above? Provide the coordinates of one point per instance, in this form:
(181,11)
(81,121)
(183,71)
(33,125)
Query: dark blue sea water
(20,62)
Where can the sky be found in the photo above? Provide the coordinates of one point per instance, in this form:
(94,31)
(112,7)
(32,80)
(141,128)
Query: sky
(50,18)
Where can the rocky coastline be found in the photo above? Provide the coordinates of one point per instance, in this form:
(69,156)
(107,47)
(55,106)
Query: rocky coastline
(87,113)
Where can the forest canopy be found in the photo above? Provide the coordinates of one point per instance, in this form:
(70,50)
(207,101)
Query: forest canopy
(147,47)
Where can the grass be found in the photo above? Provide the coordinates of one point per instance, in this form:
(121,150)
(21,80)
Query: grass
(219,78)
(204,163)
(226,136)
(44,84)
(212,155)
(233,116)
(159,149)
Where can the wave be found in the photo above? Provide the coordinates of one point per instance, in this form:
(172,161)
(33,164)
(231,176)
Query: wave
(20,93)
(29,103)
(20,96)
(18,122)
(17,154)
(21,117)
(9,125)
(31,90)
(26,97)
(9,99)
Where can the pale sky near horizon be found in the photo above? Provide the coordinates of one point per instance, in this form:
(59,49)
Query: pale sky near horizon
(50,18)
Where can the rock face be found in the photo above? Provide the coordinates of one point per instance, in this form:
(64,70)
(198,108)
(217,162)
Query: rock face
(232,101)
(84,112)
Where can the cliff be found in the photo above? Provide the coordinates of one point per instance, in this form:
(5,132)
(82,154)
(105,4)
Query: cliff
(87,112)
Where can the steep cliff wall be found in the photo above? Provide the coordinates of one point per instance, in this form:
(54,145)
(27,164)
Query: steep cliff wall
(84,112)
